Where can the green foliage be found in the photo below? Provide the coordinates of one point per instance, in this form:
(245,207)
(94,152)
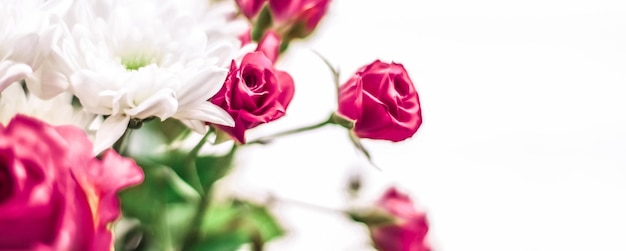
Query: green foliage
(174,204)
(235,223)
(221,242)
(211,168)
(263,22)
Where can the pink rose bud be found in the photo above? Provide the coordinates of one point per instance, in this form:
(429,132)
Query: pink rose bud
(409,230)
(382,101)
(253,94)
(246,37)
(269,45)
(54,195)
(302,16)
(250,8)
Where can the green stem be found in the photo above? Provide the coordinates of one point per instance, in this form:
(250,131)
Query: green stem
(269,138)
(193,231)
(190,165)
(302,204)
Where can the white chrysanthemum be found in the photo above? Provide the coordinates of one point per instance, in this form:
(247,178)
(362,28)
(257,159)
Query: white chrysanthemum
(28,28)
(141,59)
(54,111)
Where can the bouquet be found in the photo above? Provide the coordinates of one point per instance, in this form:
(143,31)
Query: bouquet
(119,118)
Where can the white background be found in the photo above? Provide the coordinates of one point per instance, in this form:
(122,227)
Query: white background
(523,145)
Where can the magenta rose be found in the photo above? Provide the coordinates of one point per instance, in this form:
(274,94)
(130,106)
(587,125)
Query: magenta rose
(54,195)
(381,99)
(250,8)
(302,16)
(254,93)
(409,229)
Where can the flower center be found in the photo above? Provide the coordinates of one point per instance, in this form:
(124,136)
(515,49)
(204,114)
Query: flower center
(135,62)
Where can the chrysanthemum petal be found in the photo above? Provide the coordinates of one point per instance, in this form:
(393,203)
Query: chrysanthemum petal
(203,86)
(111,129)
(162,104)
(11,71)
(208,112)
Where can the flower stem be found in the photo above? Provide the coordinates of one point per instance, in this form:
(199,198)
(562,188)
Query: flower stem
(190,165)
(193,230)
(267,139)
(304,204)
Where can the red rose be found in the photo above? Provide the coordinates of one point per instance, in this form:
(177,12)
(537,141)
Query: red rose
(253,94)
(409,230)
(382,101)
(54,195)
(302,16)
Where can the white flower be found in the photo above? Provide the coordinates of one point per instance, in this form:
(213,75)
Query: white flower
(142,59)
(28,28)
(55,111)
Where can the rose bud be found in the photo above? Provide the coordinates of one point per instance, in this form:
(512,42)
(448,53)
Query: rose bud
(382,101)
(250,8)
(54,195)
(302,16)
(246,37)
(269,45)
(253,93)
(407,232)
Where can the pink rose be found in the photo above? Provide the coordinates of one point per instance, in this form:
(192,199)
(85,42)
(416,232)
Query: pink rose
(382,101)
(253,94)
(250,8)
(53,194)
(302,16)
(409,231)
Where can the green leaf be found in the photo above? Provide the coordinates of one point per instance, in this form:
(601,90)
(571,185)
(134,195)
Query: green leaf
(220,242)
(178,216)
(258,220)
(261,219)
(162,203)
(332,69)
(240,218)
(356,141)
(212,168)
(173,129)
(372,217)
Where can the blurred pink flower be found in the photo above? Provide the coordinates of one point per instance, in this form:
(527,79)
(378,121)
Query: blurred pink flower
(408,231)
(54,195)
(250,8)
(302,16)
